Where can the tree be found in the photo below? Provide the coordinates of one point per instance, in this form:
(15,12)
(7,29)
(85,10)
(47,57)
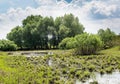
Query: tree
(107,37)
(31,19)
(68,26)
(45,27)
(34,32)
(73,24)
(63,32)
(30,31)
(16,35)
(6,45)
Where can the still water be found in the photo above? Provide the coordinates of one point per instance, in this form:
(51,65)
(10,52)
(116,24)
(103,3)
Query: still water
(113,78)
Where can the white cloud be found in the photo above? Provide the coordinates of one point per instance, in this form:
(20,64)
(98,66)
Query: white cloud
(94,26)
(56,8)
(104,8)
(46,2)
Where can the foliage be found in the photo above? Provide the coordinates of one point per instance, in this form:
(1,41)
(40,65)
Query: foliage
(67,43)
(6,45)
(16,35)
(87,44)
(116,40)
(107,37)
(34,32)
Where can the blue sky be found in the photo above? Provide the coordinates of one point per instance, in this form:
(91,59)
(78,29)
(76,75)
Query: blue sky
(68,1)
(6,4)
(93,14)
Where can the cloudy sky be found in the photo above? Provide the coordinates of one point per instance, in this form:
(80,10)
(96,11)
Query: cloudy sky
(93,14)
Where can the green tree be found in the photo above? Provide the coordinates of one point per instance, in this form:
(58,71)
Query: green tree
(34,32)
(30,31)
(58,21)
(6,45)
(16,35)
(107,37)
(31,19)
(45,27)
(63,32)
(67,26)
(73,24)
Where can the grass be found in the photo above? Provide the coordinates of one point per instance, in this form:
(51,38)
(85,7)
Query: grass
(65,68)
(112,51)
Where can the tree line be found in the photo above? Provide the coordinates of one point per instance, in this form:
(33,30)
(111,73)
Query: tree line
(39,32)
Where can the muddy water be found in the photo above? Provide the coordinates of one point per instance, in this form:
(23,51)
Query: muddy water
(29,54)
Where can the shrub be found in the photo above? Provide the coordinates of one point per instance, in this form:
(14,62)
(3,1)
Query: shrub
(6,45)
(116,40)
(87,44)
(67,43)
(84,44)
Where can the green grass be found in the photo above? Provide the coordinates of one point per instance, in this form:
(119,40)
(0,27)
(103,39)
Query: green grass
(65,68)
(112,51)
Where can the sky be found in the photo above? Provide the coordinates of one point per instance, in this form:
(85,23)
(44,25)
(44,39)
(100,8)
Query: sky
(93,14)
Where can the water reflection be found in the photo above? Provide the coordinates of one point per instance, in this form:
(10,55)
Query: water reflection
(50,62)
(29,54)
(113,78)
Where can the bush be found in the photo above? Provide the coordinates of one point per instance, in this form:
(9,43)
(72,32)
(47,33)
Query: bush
(67,43)
(87,44)
(84,44)
(6,45)
(116,40)
(107,37)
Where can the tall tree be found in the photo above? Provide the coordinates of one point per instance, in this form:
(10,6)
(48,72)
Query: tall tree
(107,37)
(16,35)
(73,24)
(70,24)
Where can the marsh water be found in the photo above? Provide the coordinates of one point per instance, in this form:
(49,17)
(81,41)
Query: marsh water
(29,53)
(113,78)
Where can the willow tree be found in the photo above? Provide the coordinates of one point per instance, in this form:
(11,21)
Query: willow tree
(34,32)
(16,35)
(107,37)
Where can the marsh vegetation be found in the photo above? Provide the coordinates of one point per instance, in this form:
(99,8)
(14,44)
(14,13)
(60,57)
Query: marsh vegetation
(60,68)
